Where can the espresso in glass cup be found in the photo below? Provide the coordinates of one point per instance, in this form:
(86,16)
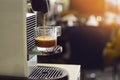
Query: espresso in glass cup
(45,41)
(46,38)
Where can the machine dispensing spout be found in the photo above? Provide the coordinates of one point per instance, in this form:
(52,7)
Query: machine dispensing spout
(40,5)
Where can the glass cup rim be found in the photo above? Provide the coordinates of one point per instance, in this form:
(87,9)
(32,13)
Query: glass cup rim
(47,27)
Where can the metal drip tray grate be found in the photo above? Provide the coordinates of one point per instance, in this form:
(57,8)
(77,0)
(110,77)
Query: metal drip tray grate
(48,73)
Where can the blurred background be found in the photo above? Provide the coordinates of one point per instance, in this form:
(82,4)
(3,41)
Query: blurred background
(90,36)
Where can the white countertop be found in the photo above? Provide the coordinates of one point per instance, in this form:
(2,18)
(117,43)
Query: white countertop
(73,70)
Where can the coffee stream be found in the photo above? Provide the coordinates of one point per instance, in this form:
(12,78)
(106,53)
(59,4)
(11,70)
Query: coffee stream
(44,24)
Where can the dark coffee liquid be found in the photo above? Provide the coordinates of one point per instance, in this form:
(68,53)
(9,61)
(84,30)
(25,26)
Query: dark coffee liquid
(45,41)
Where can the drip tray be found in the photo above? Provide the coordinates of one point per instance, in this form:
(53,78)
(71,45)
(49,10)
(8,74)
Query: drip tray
(47,51)
(48,73)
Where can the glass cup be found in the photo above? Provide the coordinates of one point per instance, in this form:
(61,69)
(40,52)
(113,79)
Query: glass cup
(46,37)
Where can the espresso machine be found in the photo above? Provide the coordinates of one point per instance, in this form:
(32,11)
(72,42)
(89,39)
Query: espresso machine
(18,54)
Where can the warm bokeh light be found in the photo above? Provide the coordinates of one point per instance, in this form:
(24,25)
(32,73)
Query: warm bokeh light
(112,19)
(88,6)
(112,2)
(92,21)
(109,17)
(113,6)
(99,18)
(112,12)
